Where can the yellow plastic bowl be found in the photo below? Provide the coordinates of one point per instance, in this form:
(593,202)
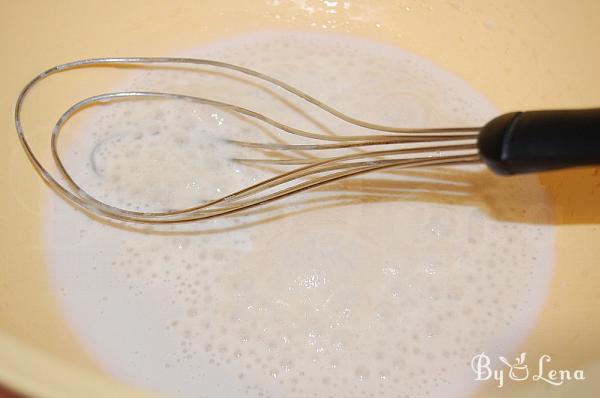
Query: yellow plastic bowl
(521,54)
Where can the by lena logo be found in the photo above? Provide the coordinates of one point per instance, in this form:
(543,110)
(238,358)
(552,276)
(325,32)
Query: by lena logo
(520,371)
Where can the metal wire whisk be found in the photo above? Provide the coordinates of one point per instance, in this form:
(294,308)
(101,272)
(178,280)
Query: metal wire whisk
(409,147)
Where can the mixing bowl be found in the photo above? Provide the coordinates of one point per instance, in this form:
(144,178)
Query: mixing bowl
(520,54)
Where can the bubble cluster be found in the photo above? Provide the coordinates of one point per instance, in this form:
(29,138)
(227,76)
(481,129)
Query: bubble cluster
(374,295)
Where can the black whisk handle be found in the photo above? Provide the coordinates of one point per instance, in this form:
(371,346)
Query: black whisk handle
(533,141)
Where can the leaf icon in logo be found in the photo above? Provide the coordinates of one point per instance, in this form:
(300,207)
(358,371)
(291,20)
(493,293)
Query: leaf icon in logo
(519,370)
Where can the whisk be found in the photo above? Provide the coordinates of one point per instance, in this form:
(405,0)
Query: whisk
(513,143)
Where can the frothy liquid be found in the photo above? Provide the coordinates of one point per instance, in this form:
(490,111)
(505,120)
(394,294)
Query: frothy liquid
(384,285)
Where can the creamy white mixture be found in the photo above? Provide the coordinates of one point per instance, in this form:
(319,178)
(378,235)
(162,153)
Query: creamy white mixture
(384,285)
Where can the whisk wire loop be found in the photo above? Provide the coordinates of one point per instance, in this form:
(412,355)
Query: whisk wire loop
(454,145)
